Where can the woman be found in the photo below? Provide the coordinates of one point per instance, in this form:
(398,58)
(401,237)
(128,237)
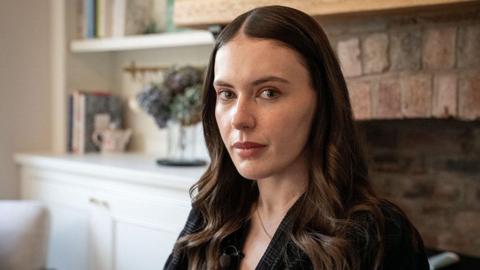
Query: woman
(287,186)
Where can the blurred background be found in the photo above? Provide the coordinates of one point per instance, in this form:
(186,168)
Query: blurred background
(95,93)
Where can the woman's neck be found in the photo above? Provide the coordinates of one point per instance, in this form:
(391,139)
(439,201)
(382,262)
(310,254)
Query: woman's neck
(278,193)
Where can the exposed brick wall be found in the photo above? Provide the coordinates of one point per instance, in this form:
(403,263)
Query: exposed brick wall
(423,65)
(406,71)
(431,169)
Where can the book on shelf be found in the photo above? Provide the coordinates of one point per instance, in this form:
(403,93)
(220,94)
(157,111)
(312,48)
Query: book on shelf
(89,112)
(118,19)
(80,26)
(104,17)
(89,19)
(94,18)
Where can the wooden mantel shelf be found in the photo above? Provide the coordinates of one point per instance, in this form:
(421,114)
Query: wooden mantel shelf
(201,13)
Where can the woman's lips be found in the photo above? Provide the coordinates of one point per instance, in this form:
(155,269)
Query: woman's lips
(248,149)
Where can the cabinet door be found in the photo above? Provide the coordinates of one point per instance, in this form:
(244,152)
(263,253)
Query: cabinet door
(67,249)
(100,234)
(145,232)
(141,247)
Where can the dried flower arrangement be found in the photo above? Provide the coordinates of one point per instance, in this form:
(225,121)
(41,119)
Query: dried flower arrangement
(177,98)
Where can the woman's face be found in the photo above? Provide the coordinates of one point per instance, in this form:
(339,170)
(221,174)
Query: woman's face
(265,105)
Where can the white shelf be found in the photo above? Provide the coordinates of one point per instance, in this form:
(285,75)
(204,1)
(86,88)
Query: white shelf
(152,41)
(132,167)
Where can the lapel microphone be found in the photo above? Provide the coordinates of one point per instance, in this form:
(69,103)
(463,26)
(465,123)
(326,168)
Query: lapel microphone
(230,254)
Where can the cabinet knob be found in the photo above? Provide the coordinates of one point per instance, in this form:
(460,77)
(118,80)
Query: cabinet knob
(98,202)
(93,201)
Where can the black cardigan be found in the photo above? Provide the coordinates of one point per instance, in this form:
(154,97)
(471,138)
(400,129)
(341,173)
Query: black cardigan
(282,253)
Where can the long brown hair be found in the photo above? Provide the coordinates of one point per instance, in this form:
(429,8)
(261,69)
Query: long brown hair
(338,187)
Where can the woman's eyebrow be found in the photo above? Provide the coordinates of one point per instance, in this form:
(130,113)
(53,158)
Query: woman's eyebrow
(256,82)
(221,83)
(269,79)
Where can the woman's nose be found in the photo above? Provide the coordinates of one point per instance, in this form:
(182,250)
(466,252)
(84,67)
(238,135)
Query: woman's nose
(243,115)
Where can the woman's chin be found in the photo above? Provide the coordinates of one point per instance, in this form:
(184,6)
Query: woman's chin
(253,172)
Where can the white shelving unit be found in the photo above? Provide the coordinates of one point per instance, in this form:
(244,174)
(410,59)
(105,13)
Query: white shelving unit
(153,41)
(92,64)
(118,222)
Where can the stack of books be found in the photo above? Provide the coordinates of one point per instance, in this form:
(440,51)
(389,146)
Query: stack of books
(89,112)
(117,18)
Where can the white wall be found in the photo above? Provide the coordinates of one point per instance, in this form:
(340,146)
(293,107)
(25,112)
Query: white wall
(25,96)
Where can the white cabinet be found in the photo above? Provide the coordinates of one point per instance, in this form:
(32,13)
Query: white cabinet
(119,212)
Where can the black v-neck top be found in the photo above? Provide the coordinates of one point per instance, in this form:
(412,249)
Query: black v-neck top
(282,253)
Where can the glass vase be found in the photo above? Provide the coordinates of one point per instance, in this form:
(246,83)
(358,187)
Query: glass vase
(181,145)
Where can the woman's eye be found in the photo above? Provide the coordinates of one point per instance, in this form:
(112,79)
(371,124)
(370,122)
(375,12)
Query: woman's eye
(225,94)
(269,94)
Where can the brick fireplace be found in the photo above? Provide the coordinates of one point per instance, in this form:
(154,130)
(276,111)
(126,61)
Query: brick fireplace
(414,82)
(431,168)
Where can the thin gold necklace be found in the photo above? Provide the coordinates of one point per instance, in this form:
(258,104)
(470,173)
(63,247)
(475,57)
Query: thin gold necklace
(261,223)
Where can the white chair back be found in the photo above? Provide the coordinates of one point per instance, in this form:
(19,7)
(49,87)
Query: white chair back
(23,235)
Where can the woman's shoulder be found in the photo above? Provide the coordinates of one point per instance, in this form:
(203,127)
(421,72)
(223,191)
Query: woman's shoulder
(402,244)
(395,222)
(194,222)
(404,247)
(397,225)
